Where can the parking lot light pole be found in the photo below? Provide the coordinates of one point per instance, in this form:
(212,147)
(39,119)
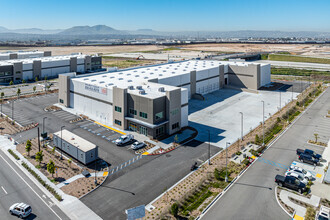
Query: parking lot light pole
(43,124)
(280,100)
(95,174)
(263,122)
(12,109)
(62,142)
(241,125)
(226,178)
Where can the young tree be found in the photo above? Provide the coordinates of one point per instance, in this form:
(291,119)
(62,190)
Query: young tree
(53,150)
(174,209)
(34,89)
(36,79)
(69,162)
(18,92)
(23,81)
(28,147)
(11,83)
(45,78)
(51,167)
(316,136)
(39,157)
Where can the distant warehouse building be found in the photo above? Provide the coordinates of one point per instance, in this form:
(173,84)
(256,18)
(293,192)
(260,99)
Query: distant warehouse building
(24,54)
(153,100)
(75,146)
(28,69)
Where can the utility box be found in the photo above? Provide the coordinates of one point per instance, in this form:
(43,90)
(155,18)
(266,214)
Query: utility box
(75,146)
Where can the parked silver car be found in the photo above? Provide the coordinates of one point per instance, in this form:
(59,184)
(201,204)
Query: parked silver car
(22,210)
(138,145)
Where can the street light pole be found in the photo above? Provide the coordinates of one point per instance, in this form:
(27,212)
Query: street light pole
(280,100)
(241,125)
(12,110)
(263,123)
(43,125)
(62,142)
(292,92)
(226,178)
(209,148)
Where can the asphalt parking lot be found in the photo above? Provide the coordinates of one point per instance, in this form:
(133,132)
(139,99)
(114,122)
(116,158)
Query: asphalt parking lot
(31,110)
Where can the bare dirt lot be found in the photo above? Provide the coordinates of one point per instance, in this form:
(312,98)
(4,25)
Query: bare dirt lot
(314,50)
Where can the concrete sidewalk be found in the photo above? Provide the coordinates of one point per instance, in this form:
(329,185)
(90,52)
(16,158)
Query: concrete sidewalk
(300,211)
(70,205)
(99,174)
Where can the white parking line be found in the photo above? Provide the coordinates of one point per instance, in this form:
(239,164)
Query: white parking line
(4,189)
(30,186)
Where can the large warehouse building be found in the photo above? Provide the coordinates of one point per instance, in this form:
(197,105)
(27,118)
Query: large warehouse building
(24,54)
(153,100)
(18,69)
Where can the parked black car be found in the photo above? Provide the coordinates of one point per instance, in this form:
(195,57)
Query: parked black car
(291,183)
(309,152)
(306,158)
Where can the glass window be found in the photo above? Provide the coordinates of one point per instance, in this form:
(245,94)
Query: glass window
(159,115)
(117,109)
(143,115)
(175,111)
(175,125)
(132,111)
(117,122)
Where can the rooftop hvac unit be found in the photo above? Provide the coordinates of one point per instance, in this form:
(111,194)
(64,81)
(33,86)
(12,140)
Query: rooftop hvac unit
(161,89)
(139,87)
(130,87)
(142,92)
(129,80)
(146,77)
(101,82)
(120,79)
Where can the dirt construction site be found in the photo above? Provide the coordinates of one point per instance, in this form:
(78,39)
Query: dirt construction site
(314,50)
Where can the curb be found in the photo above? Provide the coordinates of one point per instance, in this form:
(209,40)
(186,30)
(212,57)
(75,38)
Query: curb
(96,187)
(281,205)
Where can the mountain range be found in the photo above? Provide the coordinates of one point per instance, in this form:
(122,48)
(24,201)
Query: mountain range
(103,30)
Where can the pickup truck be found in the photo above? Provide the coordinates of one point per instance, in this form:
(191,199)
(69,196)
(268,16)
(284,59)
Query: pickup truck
(309,152)
(291,183)
(306,158)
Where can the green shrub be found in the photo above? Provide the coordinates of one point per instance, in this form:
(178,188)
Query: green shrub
(310,213)
(13,154)
(175,209)
(49,188)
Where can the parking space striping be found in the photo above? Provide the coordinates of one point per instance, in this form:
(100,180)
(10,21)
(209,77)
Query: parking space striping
(123,165)
(110,128)
(260,159)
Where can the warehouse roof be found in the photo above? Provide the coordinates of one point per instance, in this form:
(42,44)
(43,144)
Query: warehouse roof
(22,52)
(42,59)
(75,140)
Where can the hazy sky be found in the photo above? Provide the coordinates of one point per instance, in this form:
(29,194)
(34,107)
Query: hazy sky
(169,15)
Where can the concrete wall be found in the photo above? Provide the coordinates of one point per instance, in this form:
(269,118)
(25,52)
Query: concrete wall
(88,61)
(47,53)
(13,56)
(221,76)
(36,68)
(73,64)
(173,111)
(244,76)
(18,71)
(120,100)
(64,89)
(192,83)
(265,75)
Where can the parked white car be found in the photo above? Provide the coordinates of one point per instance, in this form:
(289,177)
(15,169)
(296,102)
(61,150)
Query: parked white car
(138,145)
(323,214)
(22,210)
(298,176)
(124,139)
(302,171)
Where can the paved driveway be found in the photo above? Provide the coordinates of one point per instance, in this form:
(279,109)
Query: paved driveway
(220,113)
(253,196)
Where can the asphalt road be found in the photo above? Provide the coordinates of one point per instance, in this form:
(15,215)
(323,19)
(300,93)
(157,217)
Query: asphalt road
(300,65)
(145,180)
(253,196)
(15,187)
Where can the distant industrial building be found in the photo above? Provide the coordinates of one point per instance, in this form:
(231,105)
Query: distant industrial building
(75,146)
(28,69)
(153,100)
(24,54)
